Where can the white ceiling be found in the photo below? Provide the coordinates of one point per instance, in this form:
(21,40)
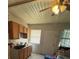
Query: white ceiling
(29,13)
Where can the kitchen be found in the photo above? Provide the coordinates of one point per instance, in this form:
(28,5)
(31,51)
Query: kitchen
(18,38)
(32,31)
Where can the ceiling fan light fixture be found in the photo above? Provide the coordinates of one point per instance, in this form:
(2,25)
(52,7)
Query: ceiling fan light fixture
(62,8)
(55,9)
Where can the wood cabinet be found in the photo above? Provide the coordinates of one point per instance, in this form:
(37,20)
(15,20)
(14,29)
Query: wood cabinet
(26,53)
(13,30)
(29,50)
(21,28)
(29,32)
(9,52)
(20,53)
(25,30)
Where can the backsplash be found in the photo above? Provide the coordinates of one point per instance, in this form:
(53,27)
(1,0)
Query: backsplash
(18,41)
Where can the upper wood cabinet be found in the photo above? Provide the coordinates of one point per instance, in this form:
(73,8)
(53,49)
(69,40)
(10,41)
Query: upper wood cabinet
(16,30)
(29,32)
(25,30)
(21,28)
(13,30)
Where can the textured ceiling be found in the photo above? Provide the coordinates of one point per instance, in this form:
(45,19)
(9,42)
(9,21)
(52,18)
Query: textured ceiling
(29,13)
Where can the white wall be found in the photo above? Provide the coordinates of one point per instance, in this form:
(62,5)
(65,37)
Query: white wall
(49,37)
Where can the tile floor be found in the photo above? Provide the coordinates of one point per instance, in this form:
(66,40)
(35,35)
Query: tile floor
(36,56)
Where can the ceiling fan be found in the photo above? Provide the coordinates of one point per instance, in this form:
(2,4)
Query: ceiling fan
(58,6)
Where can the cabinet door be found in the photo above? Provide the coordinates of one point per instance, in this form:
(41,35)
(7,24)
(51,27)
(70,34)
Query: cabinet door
(9,56)
(10,36)
(15,29)
(21,54)
(29,51)
(29,33)
(21,29)
(25,30)
(25,53)
(11,53)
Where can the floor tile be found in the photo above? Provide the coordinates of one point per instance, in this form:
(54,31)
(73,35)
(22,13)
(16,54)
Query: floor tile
(36,56)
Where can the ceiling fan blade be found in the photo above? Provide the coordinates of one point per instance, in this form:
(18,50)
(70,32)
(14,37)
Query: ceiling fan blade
(20,2)
(45,9)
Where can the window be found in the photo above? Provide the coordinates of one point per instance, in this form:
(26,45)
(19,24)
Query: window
(65,42)
(65,38)
(35,36)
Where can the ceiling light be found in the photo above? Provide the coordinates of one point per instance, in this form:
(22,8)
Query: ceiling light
(62,8)
(56,9)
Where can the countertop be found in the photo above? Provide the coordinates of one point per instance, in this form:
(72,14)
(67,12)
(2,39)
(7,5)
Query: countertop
(12,46)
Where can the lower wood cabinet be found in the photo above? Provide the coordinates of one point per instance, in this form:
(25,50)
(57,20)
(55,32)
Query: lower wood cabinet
(20,54)
(29,51)
(23,53)
(26,53)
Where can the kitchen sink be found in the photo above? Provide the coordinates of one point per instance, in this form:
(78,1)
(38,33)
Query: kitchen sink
(19,46)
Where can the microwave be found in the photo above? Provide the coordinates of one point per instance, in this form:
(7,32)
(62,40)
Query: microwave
(22,35)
